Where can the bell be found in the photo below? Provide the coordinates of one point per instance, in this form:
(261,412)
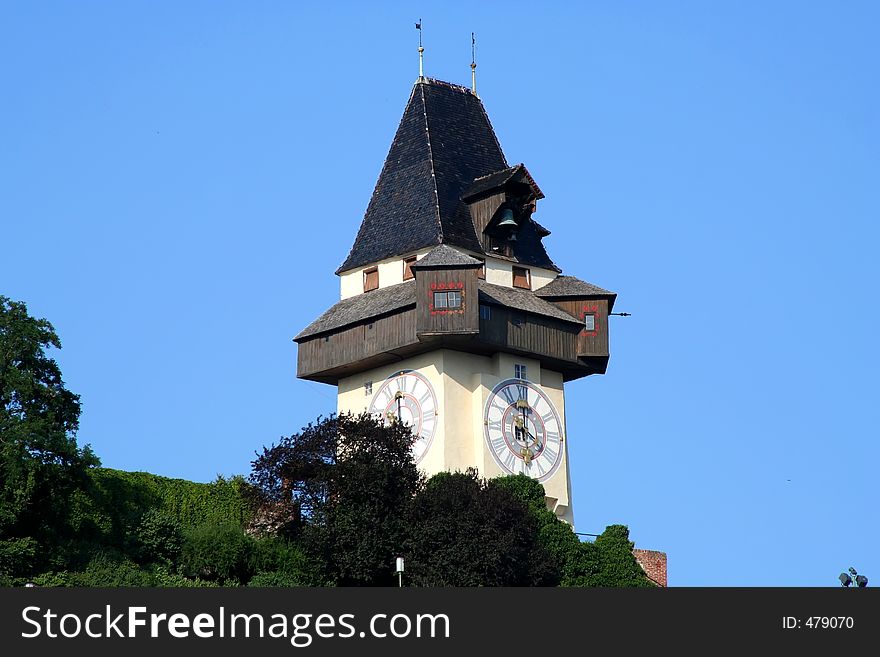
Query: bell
(507,218)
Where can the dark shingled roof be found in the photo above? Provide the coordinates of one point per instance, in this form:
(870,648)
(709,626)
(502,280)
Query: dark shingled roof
(499,178)
(398,297)
(446,256)
(524,300)
(363,306)
(444,141)
(569,286)
(528,248)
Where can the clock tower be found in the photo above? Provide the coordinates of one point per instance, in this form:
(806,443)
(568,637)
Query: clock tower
(452,317)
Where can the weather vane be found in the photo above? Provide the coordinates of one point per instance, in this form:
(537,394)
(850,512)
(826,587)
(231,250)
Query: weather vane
(421,51)
(473,64)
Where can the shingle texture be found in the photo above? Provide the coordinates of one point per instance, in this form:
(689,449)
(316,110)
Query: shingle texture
(524,300)
(499,178)
(395,298)
(569,286)
(363,306)
(444,141)
(446,256)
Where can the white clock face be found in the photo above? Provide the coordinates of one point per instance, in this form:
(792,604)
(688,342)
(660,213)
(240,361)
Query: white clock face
(523,430)
(409,397)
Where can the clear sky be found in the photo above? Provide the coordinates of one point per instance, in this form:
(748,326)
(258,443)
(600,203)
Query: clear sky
(180,180)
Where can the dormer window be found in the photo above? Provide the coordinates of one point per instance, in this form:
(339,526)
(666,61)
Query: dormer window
(371,279)
(522,278)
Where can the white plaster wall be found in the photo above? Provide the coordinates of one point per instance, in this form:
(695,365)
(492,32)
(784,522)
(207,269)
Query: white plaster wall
(462,383)
(351,283)
(351,398)
(500,272)
(557,488)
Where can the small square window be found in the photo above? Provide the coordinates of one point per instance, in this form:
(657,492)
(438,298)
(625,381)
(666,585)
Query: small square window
(326,338)
(368,388)
(450,299)
(590,322)
(485,312)
(519,371)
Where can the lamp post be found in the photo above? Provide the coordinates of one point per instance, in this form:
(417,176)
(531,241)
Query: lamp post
(399,566)
(847,579)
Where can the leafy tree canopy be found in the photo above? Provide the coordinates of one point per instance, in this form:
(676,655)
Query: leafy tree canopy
(40,462)
(465,531)
(341,486)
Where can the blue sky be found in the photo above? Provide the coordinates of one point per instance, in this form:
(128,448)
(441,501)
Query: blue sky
(179,181)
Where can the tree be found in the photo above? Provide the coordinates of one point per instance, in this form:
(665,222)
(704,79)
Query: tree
(618,565)
(609,561)
(465,531)
(40,462)
(341,487)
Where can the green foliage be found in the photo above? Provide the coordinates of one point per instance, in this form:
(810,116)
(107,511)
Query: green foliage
(40,462)
(618,565)
(105,569)
(112,506)
(17,555)
(279,562)
(344,484)
(274,578)
(218,553)
(464,531)
(166,577)
(608,562)
(159,537)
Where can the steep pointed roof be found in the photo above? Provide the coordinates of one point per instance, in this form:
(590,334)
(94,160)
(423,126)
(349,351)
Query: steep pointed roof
(443,143)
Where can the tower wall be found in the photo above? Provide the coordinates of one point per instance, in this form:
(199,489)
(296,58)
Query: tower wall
(462,383)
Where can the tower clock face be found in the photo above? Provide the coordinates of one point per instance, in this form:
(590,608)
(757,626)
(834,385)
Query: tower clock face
(408,396)
(523,429)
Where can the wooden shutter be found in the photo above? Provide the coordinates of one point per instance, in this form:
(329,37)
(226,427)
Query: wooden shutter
(521,278)
(371,279)
(407,268)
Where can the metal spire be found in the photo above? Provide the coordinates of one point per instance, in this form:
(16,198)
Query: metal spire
(421,52)
(474,64)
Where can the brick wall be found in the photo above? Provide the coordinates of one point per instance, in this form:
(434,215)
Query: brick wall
(653,563)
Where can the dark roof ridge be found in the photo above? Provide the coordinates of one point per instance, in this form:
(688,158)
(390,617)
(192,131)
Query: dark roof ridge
(431,160)
(493,173)
(443,83)
(492,130)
